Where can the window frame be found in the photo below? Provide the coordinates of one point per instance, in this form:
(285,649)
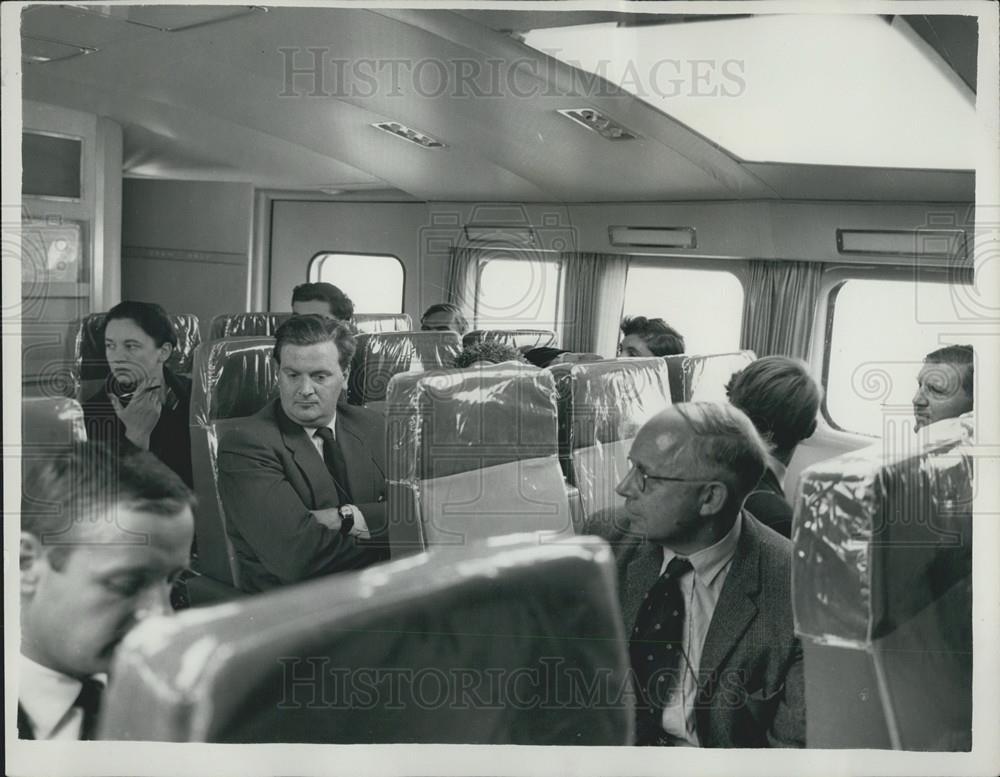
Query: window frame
(525,255)
(381,255)
(738,267)
(833,280)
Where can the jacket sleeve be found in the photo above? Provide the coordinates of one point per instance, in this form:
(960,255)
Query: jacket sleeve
(789,726)
(262,505)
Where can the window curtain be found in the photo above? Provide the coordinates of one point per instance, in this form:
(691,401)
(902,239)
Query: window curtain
(462,279)
(595,296)
(778,307)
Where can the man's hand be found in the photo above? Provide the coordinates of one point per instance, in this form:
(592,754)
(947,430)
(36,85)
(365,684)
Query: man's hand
(141,414)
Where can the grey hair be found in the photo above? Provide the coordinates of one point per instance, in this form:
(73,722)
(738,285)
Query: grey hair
(723,444)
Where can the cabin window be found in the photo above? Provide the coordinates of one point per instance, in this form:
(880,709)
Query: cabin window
(878,332)
(519,293)
(374,282)
(705,306)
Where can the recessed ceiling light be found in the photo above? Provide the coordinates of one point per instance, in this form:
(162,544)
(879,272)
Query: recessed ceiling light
(595,121)
(406,133)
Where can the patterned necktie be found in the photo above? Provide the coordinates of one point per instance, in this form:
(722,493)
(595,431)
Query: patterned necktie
(89,701)
(335,463)
(655,650)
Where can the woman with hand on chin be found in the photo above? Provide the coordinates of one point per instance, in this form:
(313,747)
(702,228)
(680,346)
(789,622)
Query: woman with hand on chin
(143,405)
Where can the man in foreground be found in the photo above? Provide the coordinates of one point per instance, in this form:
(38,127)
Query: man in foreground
(303,480)
(102,539)
(706,588)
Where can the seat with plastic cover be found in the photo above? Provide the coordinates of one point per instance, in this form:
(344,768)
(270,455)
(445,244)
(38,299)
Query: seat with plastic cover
(508,641)
(233,378)
(602,405)
(517,338)
(703,377)
(372,323)
(882,590)
(380,356)
(246,324)
(90,367)
(473,454)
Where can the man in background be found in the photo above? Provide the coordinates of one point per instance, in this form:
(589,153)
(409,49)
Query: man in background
(322,299)
(643,336)
(944,385)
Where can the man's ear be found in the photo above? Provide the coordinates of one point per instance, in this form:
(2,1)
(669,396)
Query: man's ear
(32,559)
(164,352)
(713,498)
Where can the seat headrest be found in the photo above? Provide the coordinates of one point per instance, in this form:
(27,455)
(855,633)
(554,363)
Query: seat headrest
(451,421)
(371,323)
(881,532)
(90,361)
(246,324)
(517,338)
(380,356)
(606,401)
(539,618)
(703,377)
(234,377)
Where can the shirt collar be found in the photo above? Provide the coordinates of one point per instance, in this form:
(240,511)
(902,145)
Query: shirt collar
(46,695)
(779,470)
(709,562)
(332,426)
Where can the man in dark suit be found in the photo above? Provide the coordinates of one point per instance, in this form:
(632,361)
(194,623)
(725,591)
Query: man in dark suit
(103,537)
(303,480)
(706,588)
(782,399)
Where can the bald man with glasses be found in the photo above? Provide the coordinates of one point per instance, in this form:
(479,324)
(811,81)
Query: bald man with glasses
(706,588)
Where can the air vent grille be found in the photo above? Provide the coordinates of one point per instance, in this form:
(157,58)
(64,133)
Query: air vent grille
(595,121)
(406,133)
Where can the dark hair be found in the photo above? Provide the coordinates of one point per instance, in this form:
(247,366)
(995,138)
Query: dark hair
(340,304)
(312,330)
(661,338)
(148,316)
(84,485)
(542,356)
(958,356)
(488,351)
(780,397)
(453,310)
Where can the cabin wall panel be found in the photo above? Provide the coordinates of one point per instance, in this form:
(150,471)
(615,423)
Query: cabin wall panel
(186,245)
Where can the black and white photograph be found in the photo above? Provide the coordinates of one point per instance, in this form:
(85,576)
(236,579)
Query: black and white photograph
(485,388)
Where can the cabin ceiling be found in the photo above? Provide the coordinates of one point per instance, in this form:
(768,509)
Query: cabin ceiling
(211,102)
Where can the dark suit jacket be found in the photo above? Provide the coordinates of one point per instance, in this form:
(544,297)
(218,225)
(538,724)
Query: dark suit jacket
(170,440)
(271,477)
(751,685)
(768,505)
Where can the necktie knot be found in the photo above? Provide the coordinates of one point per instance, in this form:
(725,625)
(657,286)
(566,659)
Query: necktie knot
(677,567)
(325,433)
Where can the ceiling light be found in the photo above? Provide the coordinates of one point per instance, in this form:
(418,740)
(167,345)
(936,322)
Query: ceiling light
(606,127)
(412,135)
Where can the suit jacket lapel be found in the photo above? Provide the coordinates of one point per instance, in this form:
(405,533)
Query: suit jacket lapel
(362,469)
(308,460)
(737,605)
(642,572)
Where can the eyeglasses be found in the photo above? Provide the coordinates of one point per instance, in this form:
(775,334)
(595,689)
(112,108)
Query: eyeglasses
(643,477)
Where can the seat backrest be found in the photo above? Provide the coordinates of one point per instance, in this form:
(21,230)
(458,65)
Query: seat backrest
(703,377)
(90,367)
(517,338)
(50,426)
(602,405)
(371,323)
(246,324)
(233,378)
(473,454)
(380,356)
(882,566)
(474,645)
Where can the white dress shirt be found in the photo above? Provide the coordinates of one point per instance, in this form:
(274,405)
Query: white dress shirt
(360,527)
(700,588)
(48,698)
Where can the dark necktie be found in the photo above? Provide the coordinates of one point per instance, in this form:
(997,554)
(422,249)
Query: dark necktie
(655,649)
(335,462)
(89,701)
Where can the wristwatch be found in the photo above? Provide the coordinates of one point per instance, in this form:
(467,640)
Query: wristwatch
(346,513)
